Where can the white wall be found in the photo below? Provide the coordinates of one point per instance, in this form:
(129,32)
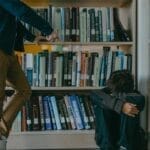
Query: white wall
(144,56)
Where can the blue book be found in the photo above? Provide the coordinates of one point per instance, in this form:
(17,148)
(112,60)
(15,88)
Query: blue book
(29,72)
(52,113)
(80,109)
(76,112)
(56,113)
(47,117)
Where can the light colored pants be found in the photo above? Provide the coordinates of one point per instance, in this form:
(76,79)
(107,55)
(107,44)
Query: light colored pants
(11,71)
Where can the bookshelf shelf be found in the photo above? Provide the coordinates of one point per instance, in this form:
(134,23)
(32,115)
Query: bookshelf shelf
(64,139)
(81,3)
(83,44)
(61,88)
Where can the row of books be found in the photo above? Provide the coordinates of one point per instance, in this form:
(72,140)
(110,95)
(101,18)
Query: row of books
(70,68)
(65,112)
(84,24)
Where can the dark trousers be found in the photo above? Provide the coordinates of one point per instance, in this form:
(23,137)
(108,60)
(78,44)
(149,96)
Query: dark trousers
(114,130)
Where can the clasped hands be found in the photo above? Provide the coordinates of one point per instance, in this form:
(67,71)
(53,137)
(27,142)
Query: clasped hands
(53,37)
(130,109)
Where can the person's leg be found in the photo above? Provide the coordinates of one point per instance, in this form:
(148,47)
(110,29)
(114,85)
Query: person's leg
(130,126)
(18,81)
(107,128)
(3,74)
(112,121)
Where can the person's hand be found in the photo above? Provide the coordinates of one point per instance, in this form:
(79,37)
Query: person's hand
(39,39)
(130,109)
(52,37)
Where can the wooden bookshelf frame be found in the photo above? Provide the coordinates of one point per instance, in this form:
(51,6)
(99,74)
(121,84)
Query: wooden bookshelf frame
(81,3)
(62,139)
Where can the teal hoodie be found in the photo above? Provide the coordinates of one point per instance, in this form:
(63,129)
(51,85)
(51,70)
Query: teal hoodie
(12,31)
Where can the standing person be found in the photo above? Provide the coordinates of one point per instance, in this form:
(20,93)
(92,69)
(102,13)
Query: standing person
(12,12)
(117,108)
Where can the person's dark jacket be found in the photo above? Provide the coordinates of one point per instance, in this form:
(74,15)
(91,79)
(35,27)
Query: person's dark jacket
(105,100)
(11,29)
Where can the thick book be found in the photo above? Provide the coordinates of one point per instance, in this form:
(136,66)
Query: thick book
(35,113)
(56,113)
(62,114)
(76,112)
(47,116)
(51,110)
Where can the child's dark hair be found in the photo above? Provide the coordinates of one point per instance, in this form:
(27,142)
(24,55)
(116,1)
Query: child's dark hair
(121,81)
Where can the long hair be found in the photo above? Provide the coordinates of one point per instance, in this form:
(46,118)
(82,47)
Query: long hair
(121,81)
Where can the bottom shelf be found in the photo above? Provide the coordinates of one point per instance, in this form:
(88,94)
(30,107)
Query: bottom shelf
(70,139)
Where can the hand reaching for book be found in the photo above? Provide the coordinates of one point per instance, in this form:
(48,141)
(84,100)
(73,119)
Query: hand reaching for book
(53,37)
(39,39)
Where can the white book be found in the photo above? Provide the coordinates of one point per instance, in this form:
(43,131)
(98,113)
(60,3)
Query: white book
(97,68)
(42,70)
(109,65)
(112,28)
(125,62)
(108,24)
(104,23)
(62,37)
(78,68)
(88,26)
(57,71)
(56,113)
(74,70)
(58,20)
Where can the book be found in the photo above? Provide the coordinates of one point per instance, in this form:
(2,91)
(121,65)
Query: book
(56,113)
(47,115)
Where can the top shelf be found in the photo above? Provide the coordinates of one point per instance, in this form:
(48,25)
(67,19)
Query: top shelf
(80,3)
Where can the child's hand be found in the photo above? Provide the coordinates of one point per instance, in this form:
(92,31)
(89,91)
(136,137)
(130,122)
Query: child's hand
(53,37)
(130,109)
(39,38)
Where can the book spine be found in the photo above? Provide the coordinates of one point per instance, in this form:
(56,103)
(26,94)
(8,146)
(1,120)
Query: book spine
(23,119)
(67,118)
(29,116)
(85,117)
(74,70)
(70,111)
(51,110)
(76,113)
(42,67)
(56,114)
(47,117)
(41,113)
(62,114)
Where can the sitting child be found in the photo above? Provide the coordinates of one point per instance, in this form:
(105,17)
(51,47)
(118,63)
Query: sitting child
(117,108)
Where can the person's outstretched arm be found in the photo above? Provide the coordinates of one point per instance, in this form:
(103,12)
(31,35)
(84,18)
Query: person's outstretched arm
(27,34)
(26,14)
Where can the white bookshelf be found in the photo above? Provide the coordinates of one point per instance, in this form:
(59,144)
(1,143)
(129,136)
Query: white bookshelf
(61,88)
(74,139)
(84,44)
(67,139)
